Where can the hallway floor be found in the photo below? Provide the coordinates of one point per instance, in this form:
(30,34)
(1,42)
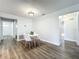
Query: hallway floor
(12,50)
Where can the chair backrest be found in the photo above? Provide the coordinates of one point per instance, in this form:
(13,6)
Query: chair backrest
(27,37)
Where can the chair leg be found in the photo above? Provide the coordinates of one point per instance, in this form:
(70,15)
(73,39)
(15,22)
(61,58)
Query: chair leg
(29,45)
(39,43)
(34,43)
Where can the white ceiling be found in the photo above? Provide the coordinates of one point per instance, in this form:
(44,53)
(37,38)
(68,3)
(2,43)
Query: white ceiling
(19,7)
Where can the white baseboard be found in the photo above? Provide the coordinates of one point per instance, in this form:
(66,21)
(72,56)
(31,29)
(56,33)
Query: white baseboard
(70,40)
(73,41)
(57,44)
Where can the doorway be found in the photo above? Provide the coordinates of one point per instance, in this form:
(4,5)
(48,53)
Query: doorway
(69,28)
(8,30)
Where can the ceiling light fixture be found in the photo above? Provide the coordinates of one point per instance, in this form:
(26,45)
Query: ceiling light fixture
(31,13)
(30,10)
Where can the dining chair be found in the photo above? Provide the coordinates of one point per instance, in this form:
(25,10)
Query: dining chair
(28,41)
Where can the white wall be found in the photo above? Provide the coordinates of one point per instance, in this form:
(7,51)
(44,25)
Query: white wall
(48,25)
(70,30)
(48,28)
(24,25)
(70,27)
(21,21)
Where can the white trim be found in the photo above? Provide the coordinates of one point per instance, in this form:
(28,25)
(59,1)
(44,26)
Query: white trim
(57,44)
(70,40)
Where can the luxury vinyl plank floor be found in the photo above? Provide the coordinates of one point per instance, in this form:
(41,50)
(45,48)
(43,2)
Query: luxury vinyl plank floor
(12,50)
